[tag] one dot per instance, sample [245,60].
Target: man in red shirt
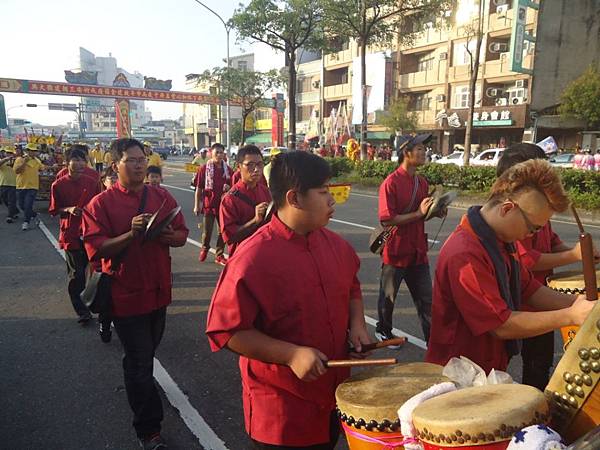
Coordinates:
[480,283]
[68,195]
[140,273]
[539,253]
[243,209]
[285,326]
[403,204]
[87,170]
[213,179]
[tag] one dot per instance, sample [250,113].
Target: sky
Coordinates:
[165,39]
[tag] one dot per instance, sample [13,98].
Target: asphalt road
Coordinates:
[61,388]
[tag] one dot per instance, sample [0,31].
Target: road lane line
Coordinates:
[178,188]
[194,421]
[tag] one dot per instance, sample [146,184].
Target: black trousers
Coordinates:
[76,264]
[8,195]
[538,357]
[334,434]
[140,336]
[99,167]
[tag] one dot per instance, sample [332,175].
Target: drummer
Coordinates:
[540,253]
[244,207]
[480,283]
[285,303]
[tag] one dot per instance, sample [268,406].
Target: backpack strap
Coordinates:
[243,197]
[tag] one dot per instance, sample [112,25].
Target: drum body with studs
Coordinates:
[479,418]
[368,402]
[569,283]
[573,390]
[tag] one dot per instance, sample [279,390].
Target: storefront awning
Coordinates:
[378,135]
[259,138]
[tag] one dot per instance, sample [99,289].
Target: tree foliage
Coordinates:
[581,98]
[399,118]
[285,26]
[249,88]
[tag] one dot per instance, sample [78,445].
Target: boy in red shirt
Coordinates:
[481,289]
[288,301]
[68,195]
[213,180]
[140,275]
[243,209]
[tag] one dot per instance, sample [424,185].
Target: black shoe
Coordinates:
[9,220]
[105,333]
[84,319]
[153,442]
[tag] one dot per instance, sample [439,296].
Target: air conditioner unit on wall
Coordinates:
[440,98]
[494,92]
[520,83]
[500,2]
[505,56]
[501,102]
[316,84]
[518,100]
[501,10]
[498,47]
[443,56]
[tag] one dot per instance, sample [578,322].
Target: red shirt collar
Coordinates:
[280,229]
[123,189]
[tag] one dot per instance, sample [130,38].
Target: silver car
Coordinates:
[563,160]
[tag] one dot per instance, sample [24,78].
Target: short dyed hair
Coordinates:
[248,150]
[296,170]
[518,153]
[120,146]
[533,174]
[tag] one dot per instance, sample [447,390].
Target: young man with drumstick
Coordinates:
[480,285]
[540,253]
[288,301]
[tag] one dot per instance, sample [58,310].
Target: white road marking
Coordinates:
[194,421]
[366,227]
[178,188]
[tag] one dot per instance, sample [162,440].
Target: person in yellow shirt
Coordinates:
[153,158]
[107,159]
[8,183]
[27,169]
[97,158]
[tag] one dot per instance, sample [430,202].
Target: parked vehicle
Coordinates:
[455,158]
[563,160]
[487,157]
[164,152]
[266,152]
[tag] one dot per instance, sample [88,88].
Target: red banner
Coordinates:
[123,122]
[81,90]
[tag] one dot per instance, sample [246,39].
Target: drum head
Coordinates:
[154,232]
[570,282]
[439,203]
[479,415]
[377,394]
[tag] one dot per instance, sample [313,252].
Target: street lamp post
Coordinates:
[28,105]
[227,106]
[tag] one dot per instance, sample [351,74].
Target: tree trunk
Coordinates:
[363,84]
[472,87]
[244,117]
[292,101]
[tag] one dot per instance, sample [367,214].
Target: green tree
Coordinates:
[398,117]
[285,26]
[581,98]
[237,131]
[377,23]
[249,88]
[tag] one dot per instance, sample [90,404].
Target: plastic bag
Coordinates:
[465,373]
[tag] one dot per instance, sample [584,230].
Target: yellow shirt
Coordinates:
[154,160]
[7,175]
[107,158]
[96,156]
[199,160]
[30,177]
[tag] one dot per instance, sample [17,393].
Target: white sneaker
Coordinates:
[384,337]
[25,226]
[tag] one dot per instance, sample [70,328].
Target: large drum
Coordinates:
[573,390]
[570,283]
[481,418]
[368,402]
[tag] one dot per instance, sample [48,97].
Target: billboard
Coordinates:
[519,35]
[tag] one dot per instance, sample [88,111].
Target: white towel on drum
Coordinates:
[405,412]
[536,437]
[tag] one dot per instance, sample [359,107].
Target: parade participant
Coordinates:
[88,171]
[480,283]
[97,158]
[154,159]
[109,178]
[539,253]
[107,159]
[212,180]
[285,326]
[597,161]
[8,183]
[113,225]
[244,208]
[403,204]
[154,176]
[27,170]
[267,170]
[201,158]
[68,195]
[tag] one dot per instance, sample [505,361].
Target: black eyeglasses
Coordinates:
[531,227]
[252,166]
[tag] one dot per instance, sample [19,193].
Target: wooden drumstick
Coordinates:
[383,344]
[360,362]
[587,259]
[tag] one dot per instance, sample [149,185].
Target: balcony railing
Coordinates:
[307,97]
[338,91]
[427,37]
[424,78]
[502,66]
[335,59]
[426,118]
[504,21]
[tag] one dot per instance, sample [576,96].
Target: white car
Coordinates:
[266,152]
[487,157]
[454,158]
[563,160]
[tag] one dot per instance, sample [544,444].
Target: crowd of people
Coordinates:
[289,298]
[585,160]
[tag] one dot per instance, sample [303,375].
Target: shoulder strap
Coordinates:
[411,205]
[143,200]
[243,197]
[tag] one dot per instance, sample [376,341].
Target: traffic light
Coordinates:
[3,122]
